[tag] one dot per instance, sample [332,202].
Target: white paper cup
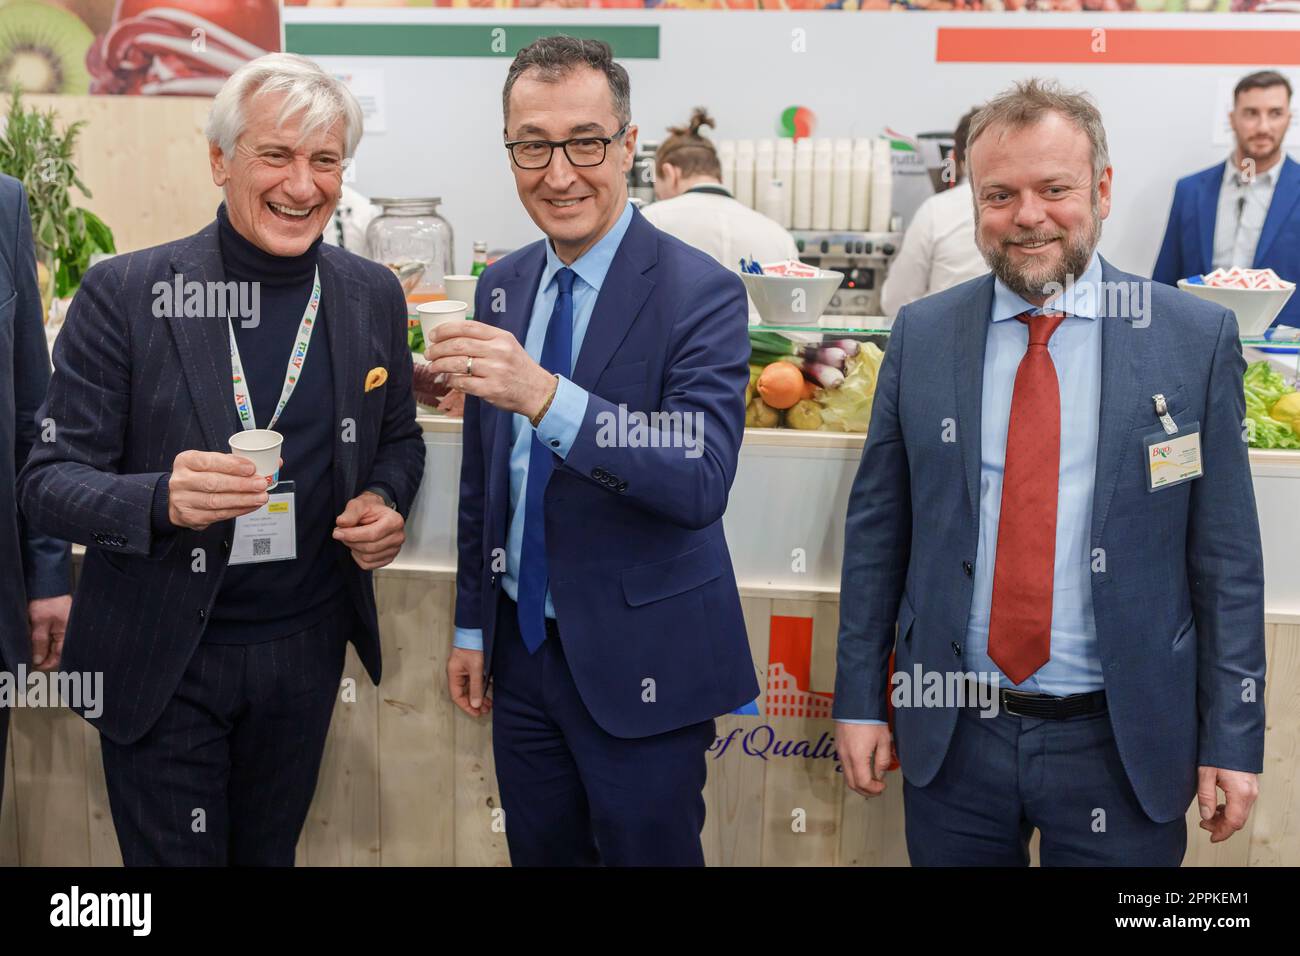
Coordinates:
[461,289]
[433,314]
[262,447]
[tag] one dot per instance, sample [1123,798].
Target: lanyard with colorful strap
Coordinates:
[243,395]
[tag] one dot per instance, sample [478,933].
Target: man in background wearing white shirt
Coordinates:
[939,247]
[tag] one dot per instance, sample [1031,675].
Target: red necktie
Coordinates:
[1020,618]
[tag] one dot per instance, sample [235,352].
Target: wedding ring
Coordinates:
[469,365]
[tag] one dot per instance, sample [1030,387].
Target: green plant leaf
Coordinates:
[35,151]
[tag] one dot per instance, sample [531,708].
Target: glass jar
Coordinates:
[415,242]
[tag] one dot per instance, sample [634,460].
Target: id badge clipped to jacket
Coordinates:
[1173,455]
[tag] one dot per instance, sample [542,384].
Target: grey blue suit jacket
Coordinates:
[131,391]
[32,565]
[1179,598]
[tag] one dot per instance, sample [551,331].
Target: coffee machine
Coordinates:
[641,177]
[864,259]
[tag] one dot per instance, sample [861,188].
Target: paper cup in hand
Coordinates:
[262,447]
[433,314]
[461,289]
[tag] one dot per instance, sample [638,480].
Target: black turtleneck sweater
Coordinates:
[262,602]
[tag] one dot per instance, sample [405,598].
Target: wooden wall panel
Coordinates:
[802,797]
[9,855]
[408,780]
[480,838]
[733,796]
[416,752]
[50,780]
[104,850]
[1275,822]
[144,160]
[342,826]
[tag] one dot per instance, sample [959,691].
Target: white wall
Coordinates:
[861,72]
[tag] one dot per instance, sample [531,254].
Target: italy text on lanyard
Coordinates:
[243,395]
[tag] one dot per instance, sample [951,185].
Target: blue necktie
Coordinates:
[557,357]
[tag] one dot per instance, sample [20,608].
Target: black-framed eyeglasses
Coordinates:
[580,150]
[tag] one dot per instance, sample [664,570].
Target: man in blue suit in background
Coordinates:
[1244,212]
[594,583]
[35,585]
[1008,517]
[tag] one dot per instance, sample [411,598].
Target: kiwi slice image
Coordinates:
[43,49]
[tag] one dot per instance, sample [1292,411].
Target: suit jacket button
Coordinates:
[598,474]
[622,486]
[968,568]
[202,614]
[956,649]
[225,545]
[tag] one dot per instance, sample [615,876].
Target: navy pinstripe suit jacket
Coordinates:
[130,391]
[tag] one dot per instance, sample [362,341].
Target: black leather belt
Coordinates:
[1046,707]
[552,628]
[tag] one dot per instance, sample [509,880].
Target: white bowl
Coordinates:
[1255,308]
[791,300]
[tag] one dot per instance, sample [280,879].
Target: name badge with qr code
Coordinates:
[269,533]
[1173,459]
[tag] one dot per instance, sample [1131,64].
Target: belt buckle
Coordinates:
[1010,699]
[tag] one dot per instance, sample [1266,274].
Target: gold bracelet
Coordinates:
[537,419]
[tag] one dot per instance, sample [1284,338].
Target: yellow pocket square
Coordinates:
[376,377]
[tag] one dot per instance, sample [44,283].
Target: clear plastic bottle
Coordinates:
[822,183]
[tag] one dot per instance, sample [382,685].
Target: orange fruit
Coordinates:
[781,384]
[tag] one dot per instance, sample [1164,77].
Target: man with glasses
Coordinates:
[594,584]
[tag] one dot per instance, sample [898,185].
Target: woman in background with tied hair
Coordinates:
[694,206]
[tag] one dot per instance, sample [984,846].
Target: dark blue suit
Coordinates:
[1188,247]
[1178,601]
[131,391]
[34,566]
[639,571]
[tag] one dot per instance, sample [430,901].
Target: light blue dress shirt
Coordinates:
[1075,348]
[559,426]
[1239,220]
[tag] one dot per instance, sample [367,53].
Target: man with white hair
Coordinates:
[218,605]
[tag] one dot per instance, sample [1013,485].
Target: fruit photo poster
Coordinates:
[139,47]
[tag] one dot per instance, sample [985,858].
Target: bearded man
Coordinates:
[1055,502]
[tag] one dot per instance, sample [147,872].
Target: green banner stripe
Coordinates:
[456,39]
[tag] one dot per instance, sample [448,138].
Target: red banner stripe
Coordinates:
[1113,45]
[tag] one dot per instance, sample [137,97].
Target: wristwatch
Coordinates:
[376,490]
